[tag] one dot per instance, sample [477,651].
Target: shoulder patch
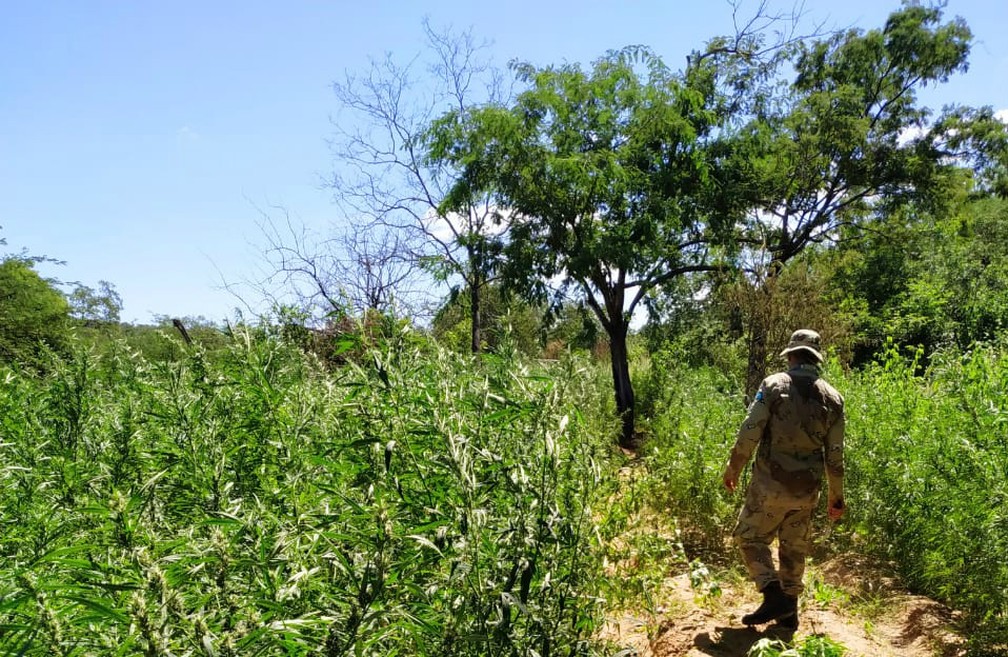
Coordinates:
[759,396]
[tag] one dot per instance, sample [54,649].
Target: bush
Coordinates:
[928,465]
[692,424]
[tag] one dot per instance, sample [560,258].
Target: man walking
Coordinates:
[795,425]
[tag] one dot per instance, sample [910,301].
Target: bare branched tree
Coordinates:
[301,266]
[377,272]
[346,272]
[383,179]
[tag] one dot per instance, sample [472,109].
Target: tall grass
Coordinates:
[694,413]
[929,477]
[249,502]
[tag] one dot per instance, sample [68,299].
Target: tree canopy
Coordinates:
[850,133]
[626,176]
[95,307]
[33,314]
[608,182]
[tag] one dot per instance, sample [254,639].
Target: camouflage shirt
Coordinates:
[795,425]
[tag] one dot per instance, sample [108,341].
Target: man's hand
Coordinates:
[836,510]
[730,480]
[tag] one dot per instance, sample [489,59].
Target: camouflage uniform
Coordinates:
[795,425]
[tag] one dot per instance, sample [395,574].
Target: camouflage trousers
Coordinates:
[759,523]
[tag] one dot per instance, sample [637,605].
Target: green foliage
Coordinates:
[814,645]
[680,312]
[703,583]
[160,342]
[824,594]
[857,98]
[250,503]
[978,138]
[928,472]
[721,330]
[965,274]
[690,433]
[33,315]
[928,280]
[572,326]
[95,307]
[830,149]
[502,315]
[507,318]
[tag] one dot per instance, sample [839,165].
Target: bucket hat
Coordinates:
[806,339]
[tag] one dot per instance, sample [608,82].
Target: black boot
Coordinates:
[775,605]
[789,622]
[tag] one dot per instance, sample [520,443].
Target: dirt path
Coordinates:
[891,624]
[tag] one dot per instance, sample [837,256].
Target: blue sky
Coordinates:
[138,138]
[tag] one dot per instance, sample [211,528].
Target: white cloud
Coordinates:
[909,134]
[441,227]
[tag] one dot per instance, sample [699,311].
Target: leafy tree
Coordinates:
[976,138]
[33,313]
[971,257]
[573,326]
[94,307]
[932,279]
[609,183]
[509,319]
[841,145]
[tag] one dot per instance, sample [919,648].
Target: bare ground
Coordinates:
[854,603]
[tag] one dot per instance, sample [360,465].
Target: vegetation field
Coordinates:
[250,502]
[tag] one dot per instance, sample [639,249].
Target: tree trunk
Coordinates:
[761,323]
[476,320]
[756,366]
[622,386]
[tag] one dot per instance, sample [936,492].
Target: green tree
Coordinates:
[931,279]
[971,258]
[609,182]
[505,317]
[839,149]
[33,313]
[94,307]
